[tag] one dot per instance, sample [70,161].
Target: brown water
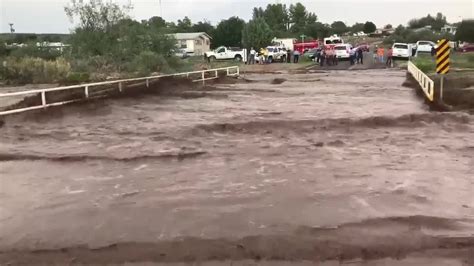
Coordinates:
[351,158]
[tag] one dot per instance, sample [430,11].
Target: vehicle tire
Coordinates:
[270,59]
[238,58]
[212,59]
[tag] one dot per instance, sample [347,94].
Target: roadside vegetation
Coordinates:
[458,62]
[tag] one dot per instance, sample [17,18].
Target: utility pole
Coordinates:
[12,30]
[161,9]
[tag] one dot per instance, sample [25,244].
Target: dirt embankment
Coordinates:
[458,93]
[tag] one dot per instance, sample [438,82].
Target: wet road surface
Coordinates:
[349,158]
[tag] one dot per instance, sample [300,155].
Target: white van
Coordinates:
[342,50]
[402,50]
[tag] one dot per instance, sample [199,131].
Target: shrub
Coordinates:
[76,78]
[35,70]
[149,62]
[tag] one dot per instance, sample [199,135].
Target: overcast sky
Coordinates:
[47,16]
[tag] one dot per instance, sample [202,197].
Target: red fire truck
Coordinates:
[302,47]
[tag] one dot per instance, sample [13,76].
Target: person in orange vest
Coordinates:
[381,53]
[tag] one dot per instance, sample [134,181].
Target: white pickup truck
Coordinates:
[226,53]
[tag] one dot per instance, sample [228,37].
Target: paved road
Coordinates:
[340,165]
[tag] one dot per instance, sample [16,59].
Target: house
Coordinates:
[425,28]
[449,29]
[195,43]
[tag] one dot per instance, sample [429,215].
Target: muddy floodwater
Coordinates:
[340,165]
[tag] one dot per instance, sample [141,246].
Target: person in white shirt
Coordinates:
[252,56]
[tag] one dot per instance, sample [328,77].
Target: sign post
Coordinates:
[442,62]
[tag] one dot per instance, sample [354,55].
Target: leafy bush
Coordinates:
[35,70]
[76,78]
[31,50]
[148,62]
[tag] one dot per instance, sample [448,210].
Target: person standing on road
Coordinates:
[360,56]
[390,58]
[265,55]
[335,61]
[261,57]
[253,53]
[381,53]
[296,56]
[322,56]
[288,56]
[352,54]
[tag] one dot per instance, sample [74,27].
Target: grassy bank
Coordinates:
[459,62]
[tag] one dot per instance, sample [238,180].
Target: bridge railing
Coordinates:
[427,84]
[203,75]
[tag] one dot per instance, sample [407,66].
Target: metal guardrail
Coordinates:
[427,84]
[230,71]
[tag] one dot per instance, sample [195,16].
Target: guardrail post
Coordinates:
[43,98]
[187,75]
[238,71]
[86,91]
[147,83]
[203,78]
[217,74]
[120,86]
[227,71]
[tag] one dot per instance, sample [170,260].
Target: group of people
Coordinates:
[328,56]
[356,56]
[379,56]
[263,58]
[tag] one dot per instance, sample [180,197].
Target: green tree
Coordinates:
[156,22]
[184,25]
[317,30]
[338,27]
[369,27]
[276,16]
[357,27]
[439,22]
[258,12]
[256,34]
[93,34]
[298,17]
[205,26]
[229,32]
[388,26]
[107,38]
[465,31]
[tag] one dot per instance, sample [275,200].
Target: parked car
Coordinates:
[312,53]
[424,46]
[225,53]
[467,47]
[181,53]
[364,46]
[401,50]
[342,50]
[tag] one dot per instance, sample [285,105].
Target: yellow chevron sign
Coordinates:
[442,57]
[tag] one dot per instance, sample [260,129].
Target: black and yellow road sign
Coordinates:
[442,57]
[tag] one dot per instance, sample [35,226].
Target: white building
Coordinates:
[285,42]
[195,43]
[449,29]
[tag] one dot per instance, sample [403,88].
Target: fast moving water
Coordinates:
[319,150]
